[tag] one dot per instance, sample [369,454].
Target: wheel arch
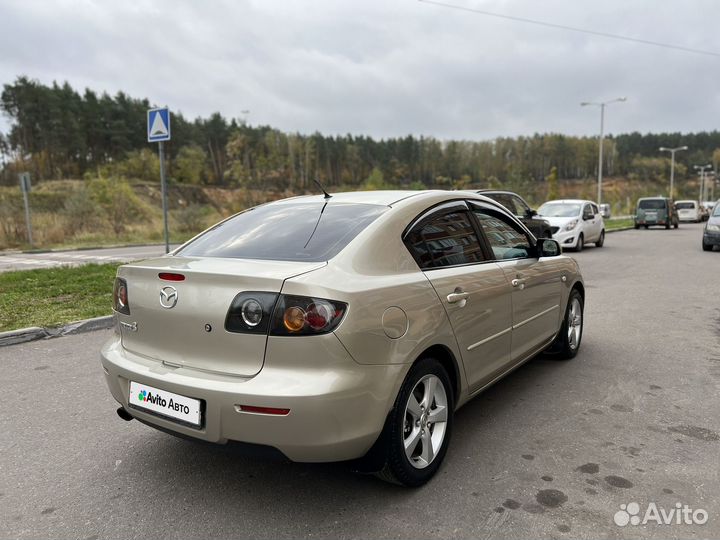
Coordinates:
[580,288]
[447,359]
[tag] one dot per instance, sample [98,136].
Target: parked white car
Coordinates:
[574,223]
[689,211]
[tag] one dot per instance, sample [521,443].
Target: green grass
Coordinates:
[55,296]
[611,224]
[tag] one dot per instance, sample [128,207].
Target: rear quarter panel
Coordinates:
[373,274]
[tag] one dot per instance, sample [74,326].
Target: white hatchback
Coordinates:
[574,222]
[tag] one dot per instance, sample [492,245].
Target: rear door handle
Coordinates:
[518,283]
[455,297]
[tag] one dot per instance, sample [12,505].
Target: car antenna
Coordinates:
[327,195]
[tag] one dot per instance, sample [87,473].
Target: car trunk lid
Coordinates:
[189,330]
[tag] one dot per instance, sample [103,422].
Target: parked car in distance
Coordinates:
[711,233]
[605,211]
[652,211]
[521,210]
[344,327]
[574,223]
[689,211]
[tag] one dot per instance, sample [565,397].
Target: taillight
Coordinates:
[250,313]
[121,303]
[283,315]
[306,316]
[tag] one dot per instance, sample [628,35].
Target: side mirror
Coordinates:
[587,217]
[530,213]
[547,247]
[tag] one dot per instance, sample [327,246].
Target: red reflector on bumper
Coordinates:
[170,276]
[262,410]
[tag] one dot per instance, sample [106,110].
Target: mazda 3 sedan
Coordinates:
[343,327]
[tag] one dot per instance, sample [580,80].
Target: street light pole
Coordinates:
[672,166]
[602,105]
[707,185]
[702,169]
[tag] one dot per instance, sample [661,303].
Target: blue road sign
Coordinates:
[158,125]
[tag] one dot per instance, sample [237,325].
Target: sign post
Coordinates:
[158,130]
[25,188]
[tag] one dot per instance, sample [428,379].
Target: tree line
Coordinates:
[57,132]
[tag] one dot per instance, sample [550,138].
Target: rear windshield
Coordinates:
[652,204]
[685,206]
[303,231]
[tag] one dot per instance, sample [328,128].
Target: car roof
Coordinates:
[380,197]
[486,191]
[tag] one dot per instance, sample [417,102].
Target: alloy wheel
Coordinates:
[426,416]
[574,323]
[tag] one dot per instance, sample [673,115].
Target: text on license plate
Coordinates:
[185,409]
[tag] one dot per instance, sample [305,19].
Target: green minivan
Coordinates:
[656,211]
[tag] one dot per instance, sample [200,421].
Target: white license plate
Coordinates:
[651,215]
[165,403]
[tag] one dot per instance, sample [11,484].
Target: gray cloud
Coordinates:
[380,68]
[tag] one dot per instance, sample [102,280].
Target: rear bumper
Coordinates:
[650,222]
[337,407]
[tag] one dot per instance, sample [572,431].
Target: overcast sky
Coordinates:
[382,68]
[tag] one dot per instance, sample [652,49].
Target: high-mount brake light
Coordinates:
[171,276]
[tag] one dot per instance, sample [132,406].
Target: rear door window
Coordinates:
[444,239]
[303,231]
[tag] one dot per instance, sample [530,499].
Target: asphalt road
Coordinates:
[552,451]
[51,259]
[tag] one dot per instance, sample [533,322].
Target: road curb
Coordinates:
[23,335]
[621,229]
[11,252]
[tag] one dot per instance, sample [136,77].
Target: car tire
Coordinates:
[647,226]
[707,247]
[667,226]
[567,342]
[426,383]
[580,243]
[601,241]
[637,226]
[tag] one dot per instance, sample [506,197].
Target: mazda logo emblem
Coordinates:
[168,297]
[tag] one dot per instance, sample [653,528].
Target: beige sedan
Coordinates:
[345,327]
